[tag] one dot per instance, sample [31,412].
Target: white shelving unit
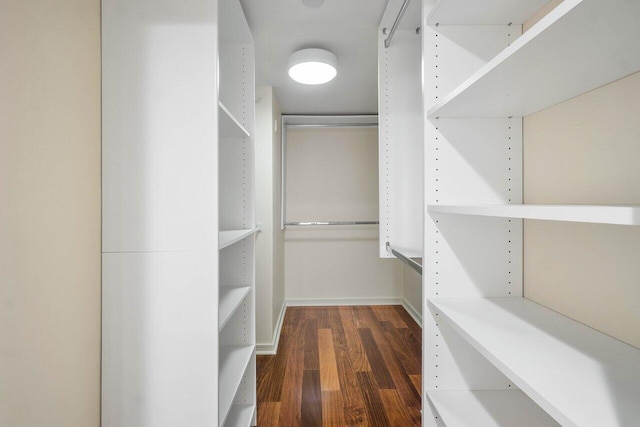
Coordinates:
[236,226]
[492,357]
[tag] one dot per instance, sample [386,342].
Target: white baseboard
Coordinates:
[272,347]
[303,302]
[412,312]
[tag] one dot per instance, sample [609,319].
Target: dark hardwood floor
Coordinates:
[343,366]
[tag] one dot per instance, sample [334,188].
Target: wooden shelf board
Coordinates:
[621,215]
[577,47]
[240,416]
[486,12]
[488,408]
[229,237]
[234,360]
[230,300]
[230,127]
[577,374]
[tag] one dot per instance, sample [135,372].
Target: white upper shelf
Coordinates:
[579,376]
[486,12]
[621,215]
[229,237]
[230,126]
[578,46]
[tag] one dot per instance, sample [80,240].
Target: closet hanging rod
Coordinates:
[333,223]
[411,263]
[335,125]
[394,27]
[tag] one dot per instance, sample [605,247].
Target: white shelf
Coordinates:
[486,12]
[229,237]
[579,46]
[230,300]
[230,127]
[488,408]
[234,360]
[240,416]
[579,376]
[621,215]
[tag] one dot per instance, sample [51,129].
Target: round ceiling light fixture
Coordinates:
[313,3]
[312,66]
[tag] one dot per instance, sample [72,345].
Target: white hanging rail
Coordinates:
[333,223]
[394,27]
[411,263]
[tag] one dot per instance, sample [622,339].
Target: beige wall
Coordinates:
[332,175]
[270,242]
[586,151]
[50,213]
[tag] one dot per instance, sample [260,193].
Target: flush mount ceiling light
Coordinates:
[312,66]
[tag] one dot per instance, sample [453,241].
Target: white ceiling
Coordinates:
[348,28]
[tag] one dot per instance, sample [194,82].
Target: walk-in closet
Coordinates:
[320,213]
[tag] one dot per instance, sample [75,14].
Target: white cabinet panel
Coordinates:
[160,338]
[159,127]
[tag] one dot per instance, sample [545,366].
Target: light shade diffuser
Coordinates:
[312,66]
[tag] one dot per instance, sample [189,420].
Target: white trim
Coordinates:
[272,347]
[304,302]
[415,314]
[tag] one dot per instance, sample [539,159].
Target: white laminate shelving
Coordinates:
[621,215]
[236,220]
[230,300]
[229,237]
[230,127]
[488,408]
[234,360]
[487,12]
[579,46]
[580,376]
[240,415]
[474,167]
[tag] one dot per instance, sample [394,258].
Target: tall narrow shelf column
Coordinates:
[237,230]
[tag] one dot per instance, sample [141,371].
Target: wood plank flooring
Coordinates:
[343,366]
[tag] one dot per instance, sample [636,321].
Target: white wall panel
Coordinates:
[159,339]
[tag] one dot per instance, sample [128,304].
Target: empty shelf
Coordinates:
[621,215]
[229,125]
[229,237]
[240,416]
[230,300]
[579,46]
[578,375]
[233,361]
[488,408]
[486,12]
